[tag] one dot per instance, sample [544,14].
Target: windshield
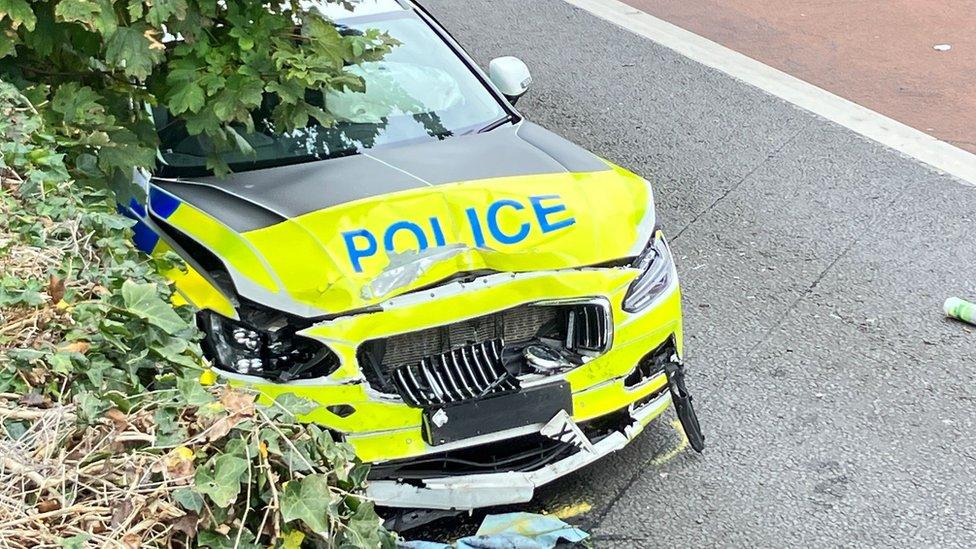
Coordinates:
[420,90]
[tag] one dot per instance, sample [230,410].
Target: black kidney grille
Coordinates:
[465,373]
[588,326]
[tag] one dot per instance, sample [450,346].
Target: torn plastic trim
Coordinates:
[485,490]
[405,268]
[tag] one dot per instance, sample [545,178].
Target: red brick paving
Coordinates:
[878,53]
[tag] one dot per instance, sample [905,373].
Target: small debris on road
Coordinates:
[513,530]
[960,309]
[942,47]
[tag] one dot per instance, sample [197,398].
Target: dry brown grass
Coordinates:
[59,481]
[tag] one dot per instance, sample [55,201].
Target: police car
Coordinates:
[476,305]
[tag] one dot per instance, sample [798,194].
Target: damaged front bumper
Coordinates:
[610,396]
[462,493]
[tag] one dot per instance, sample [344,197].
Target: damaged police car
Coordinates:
[475,304]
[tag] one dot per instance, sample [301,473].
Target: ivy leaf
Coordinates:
[192,392]
[190,500]
[75,542]
[130,49]
[292,539]
[19,12]
[143,301]
[308,500]
[288,406]
[216,540]
[363,527]
[222,482]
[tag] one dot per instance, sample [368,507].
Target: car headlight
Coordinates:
[264,343]
[656,275]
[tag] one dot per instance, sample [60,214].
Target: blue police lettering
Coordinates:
[496,231]
[435,225]
[356,254]
[475,224]
[545,212]
[404,226]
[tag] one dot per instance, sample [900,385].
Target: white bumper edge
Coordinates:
[464,493]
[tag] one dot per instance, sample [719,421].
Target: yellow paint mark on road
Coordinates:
[673,453]
[572,510]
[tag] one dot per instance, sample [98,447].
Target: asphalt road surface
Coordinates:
[837,401]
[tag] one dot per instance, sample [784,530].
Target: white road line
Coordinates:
[880,128]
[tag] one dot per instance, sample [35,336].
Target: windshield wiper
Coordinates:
[497,123]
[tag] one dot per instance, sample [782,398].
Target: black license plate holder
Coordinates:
[499,413]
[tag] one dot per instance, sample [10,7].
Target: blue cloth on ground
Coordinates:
[512,531]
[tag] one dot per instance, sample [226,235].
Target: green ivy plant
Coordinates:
[87,333]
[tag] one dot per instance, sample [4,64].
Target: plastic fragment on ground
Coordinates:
[960,309]
[512,531]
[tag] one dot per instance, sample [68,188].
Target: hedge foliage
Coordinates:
[110,430]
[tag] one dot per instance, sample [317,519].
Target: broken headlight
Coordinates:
[265,344]
[656,275]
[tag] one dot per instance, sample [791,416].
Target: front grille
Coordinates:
[468,372]
[512,326]
[463,360]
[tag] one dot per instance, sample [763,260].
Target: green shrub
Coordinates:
[107,435]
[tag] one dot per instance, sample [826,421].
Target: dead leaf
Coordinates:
[121,512]
[55,288]
[131,541]
[35,400]
[237,402]
[222,426]
[179,463]
[81,347]
[118,419]
[48,505]
[154,44]
[187,524]
[36,376]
